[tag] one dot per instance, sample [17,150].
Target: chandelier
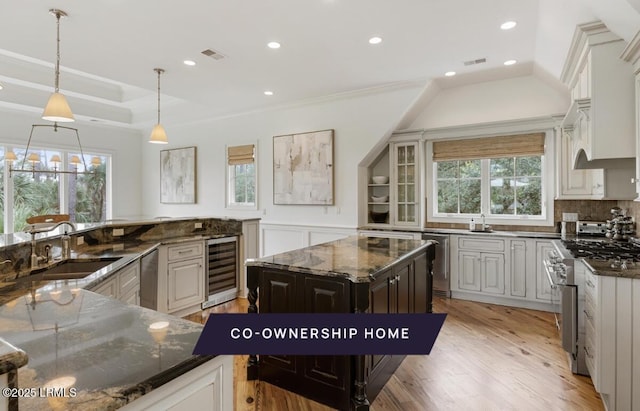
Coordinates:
[56,110]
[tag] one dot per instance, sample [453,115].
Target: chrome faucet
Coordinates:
[66,248]
[484,226]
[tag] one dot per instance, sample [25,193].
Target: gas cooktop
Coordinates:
[603,249]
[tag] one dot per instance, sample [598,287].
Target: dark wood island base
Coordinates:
[352,275]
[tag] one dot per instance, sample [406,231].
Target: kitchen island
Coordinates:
[111,354]
[353,275]
[103,353]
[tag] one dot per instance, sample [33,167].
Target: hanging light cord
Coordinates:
[159,71]
[58,14]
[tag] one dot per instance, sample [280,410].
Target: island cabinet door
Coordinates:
[278,294]
[327,295]
[400,288]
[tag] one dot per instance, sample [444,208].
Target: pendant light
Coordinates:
[158,135]
[57,108]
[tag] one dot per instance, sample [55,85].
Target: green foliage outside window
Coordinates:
[515,186]
[243,184]
[39,194]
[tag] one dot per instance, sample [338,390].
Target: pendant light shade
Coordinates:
[57,109]
[158,135]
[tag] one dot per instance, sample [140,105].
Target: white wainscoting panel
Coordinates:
[280,238]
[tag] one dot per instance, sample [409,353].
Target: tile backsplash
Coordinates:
[590,210]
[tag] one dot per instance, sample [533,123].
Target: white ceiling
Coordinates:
[110,47]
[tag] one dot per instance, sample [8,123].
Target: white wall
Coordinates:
[501,100]
[359,121]
[124,146]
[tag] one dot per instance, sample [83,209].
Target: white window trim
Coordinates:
[240,206]
[63,179]
[546,219]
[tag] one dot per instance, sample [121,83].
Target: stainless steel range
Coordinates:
[569,290]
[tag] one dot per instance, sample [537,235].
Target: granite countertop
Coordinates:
[106,346]
[11,358]
[103,343]
[604,268]
[357,258]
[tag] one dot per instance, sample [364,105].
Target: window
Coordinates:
[82,196]
[500,177]
[242,178]
[515,186]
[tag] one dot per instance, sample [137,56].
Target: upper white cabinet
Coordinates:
[601,84]
[394,186]
[595,160]
[570,183]
[406,179]
[631,54]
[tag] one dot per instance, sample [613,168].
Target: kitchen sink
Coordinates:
[71,269]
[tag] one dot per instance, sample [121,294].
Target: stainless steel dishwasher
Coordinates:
[149,280]
[441,276]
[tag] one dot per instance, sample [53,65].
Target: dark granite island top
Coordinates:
[356,258]
[108,349]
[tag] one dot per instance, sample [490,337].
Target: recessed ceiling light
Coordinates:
[375,40]
[508,25]
[450,73]
[189,63]
[268,93]
[273,45]
[510,62]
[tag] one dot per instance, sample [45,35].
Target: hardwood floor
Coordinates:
[486,357]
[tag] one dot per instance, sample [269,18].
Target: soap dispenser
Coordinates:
[472,225]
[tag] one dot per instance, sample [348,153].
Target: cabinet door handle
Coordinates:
[185,251]
[391,281]
[590,284]
[588,315]
[398,278]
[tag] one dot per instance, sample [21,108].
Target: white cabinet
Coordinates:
[612,338]
[478,267]
[602,112]
[185,284]
[206,387]
[575,184]
[396,203]
[518,268]
[123,285]
[543,288]
[181,278]
[631,54]
[500,270]
[406,184]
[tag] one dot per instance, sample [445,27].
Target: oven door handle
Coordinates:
[570,319]
[547,268]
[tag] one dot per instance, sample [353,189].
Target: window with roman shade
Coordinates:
[489,147]
[241,154]
[500,176]
[242,177]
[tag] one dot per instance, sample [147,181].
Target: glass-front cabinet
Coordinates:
[393,186]
[406,183]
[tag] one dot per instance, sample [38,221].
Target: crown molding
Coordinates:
[631,53]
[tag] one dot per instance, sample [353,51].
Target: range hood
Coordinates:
[582,162]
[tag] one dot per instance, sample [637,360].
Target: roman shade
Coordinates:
[489,147]
[240,154]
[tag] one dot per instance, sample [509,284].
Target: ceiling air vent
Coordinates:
[213,54]
[477,61]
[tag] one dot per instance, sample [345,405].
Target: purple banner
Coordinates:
[319,334]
